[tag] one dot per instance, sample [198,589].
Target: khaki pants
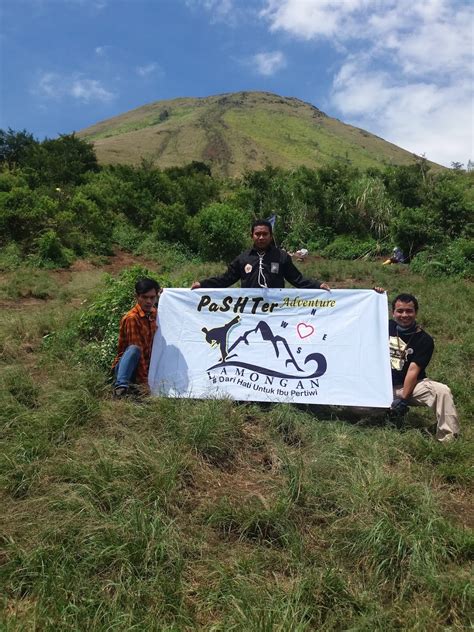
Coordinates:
[438,397]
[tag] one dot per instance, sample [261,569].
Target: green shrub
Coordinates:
[23,214]
[219,231]
[127,236]
[347,247]
[170,221]
[10,256]
[92,226]
[168,256]
[51,252]
[9,180]
[319,239]
[453,259]
[414,228]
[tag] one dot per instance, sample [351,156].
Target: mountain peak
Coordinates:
[235,132]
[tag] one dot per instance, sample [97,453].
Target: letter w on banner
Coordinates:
[275,345]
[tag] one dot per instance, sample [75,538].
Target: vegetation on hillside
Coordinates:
[160,514]
[238,131]
[57,203]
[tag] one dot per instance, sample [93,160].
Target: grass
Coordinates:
[168,514]
[236,132]
[28,283]
[297,141]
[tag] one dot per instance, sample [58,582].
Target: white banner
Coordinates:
[278,345]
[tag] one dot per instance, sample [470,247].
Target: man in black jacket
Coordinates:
[264,265]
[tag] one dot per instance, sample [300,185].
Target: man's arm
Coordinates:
[294,276]
[400,404]
[411,379]
[230,276]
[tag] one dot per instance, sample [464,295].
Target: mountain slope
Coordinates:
[237,131]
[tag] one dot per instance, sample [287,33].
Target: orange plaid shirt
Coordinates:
[137,328]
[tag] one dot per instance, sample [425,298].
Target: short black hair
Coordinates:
[262,222]
[144,285]
[406,298]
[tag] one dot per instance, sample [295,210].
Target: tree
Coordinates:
[15,147]
[64,160]
[219,231]
[407,184]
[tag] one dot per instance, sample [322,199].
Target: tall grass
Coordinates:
[160,514]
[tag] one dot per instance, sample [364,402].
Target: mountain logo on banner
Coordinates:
[272,351]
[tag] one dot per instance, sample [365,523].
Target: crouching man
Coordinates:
[136,333]
[411,349]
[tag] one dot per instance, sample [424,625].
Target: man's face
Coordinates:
[404,314]
[262,237]
[147,300]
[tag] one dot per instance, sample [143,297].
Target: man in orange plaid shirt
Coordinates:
[137,330]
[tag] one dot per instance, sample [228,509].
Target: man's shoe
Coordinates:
[120,391]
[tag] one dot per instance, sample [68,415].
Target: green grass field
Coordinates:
[159,514]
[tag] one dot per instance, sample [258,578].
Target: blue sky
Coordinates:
[402,69]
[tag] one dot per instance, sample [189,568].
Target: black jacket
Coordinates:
[276,267]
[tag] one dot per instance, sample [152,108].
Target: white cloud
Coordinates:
[424,35]
[48,85]
[268,64]
[52,85]
[220,10]
[88,90]
[412,84]
[148,69]
[310,19]
[420,116]
[101,50]
[442,46]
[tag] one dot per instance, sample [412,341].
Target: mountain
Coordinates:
[236,132]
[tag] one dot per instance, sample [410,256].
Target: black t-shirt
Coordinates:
[414,345]
[267,270]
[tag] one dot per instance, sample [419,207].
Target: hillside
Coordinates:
[237,131]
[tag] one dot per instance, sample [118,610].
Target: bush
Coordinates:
[127,236]
[319,239]
[453,259]
[10,256]
[92,226]
[51,253]
[169,256]
[346,247]
[23,214]
[415,228]
[170,221]
[219,231]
